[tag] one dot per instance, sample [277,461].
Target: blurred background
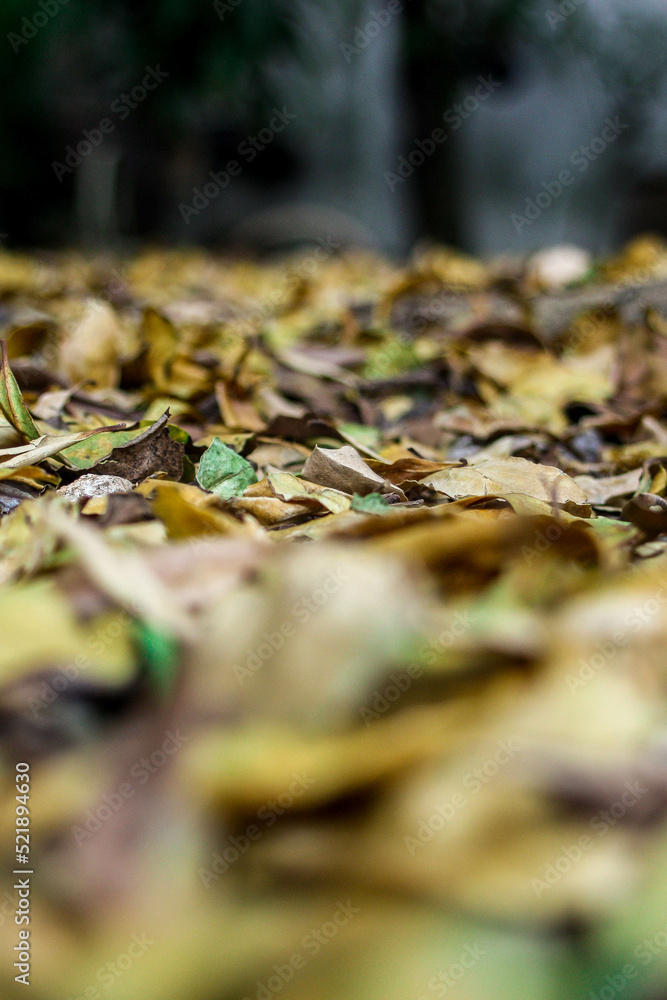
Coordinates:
[522,90]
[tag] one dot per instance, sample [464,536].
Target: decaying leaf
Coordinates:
[287,487]
[12,406]
[648,512]
[152,452]
[606,489]
[508,475]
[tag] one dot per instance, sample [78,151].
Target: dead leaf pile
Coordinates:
[333,626]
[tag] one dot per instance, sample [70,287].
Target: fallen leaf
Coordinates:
[288,487]
[224,472]
[343,469]
[648,512]
[12,406]
[43,447]
[154,451]
[372,503]
[607,489]
[508,475]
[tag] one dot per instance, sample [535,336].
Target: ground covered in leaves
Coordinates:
[333,604]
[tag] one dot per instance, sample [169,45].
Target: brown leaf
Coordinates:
[150,454]
[508,475]
[648,512]
[343,469]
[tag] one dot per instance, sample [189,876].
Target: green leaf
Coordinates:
[86,454]
[372,503]
[223,472]
[11,400]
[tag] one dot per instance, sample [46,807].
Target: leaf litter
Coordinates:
[333,625]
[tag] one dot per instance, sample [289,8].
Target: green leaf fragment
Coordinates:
[372,503]
[223,472]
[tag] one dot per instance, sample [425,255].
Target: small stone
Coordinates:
[87,487]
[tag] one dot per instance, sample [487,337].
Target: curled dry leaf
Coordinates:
[343,469]
[647,512]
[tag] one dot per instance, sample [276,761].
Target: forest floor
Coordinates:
[333,610]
